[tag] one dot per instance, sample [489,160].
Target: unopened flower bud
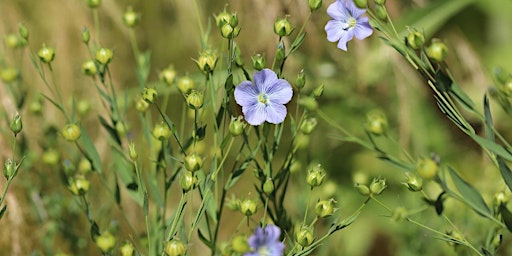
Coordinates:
[314,4]
[127,249]
[222,18]
[381,12]
[16,124]
[415,39]
[233,20]
[233,203]
[14,41]
[376,122]
[188,181]
[23,31]
[240,245]
[239,62]
[86,35]
[51,157]
[89,68]
[79,185]
[131,18]
[132,151]
[497,240]
[316,176]
[9,74]
[427,168]
[175,248]
[437,50]
[309,125]
[268,186]
[161,131]
[283,27]
[227,31]
[308,103]
[377,186]
[414,183]
[363,189]
[361,3]
[83,107]
[304,236]
[149,94]
[104,56]
[501,198]
[93,3]
[105,242]
[302,141]
[168,75]
[195,99]
[280,52]
[141,105]
[325,208]
[301,79]
[248,207]
[71,132]
[258,62]
[193,162]
[84,166]
[46,54]
[185,84]
[380,2]
[207,61]
[237,126]
[399,214]
[319,90]
[9,169]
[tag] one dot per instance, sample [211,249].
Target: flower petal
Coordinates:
[353,9]
[280,92]
[246,94]
[272,232]
[338,11]
[275,113]
[363,29]
[334,30]
[255,114]
[264,79]
[342,44]
[257,239]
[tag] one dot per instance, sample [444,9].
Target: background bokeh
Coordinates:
[369,76]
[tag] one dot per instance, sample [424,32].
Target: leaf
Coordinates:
[111,131]
[95,230]
[90,150]
[145,205]
[462,97]
[505,171]
[205,240]
[489,134]
[117,192]
[297,43]
[492,146]
[2,211]
[470,195]
[439,203]
[345,222]
[507,216]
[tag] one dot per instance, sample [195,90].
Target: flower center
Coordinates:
[263,251]
[351,22]
[263,98]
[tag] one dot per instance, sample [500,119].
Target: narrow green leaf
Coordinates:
[470,195]
[117,192]
[145,205]
[505,171]
[111,130]
[2,211]
[344,223]
[153,188]
[507,216]
[297,43]
[90,150]
[492,146]
[95,230]
[205,240]
[462,97]
[489,133]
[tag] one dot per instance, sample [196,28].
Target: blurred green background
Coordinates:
[369,76]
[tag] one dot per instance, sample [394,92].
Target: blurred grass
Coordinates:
[369,76]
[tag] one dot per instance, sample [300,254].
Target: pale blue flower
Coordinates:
[265,242]
[347,22]
[264,100]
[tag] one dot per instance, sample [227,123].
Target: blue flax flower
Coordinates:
[264,100]
[347,22]
[265,242]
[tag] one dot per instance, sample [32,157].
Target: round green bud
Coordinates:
[233,20]
[301,79]
[149,94]
[399,214]
[437,50]
[93,3]
[168,75]
[308,103]
[381,12]
[497,240]
[316,176]
[229,32]
[89,68]
[207,61]
[222,18]
[237,126]
[304,236]
[175,248]
[83,107]
[361,3]
[309,125]
[193,162]
[71,132]
[281,51]
[501,198]
[9,169]
[380,2]
[36,106]
[377,186]
[283,27]
[427,168]
[131,18]
[302,141]
[46,54]
[188,181]
[105,242]
[240,245]
[13,41]
[141,105]
[248,207]
[376,123]
[16,124]
[86,35]
[132,151]
[413,183]
[127,249]
[79,185]
[314,4]
[415,39]
[325,208]
[195,99]
[84,166]
[9,74]
[258,62]
[185,84]
[268,186]
[23,31]
[104,56]
[161,131]
[51,157]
